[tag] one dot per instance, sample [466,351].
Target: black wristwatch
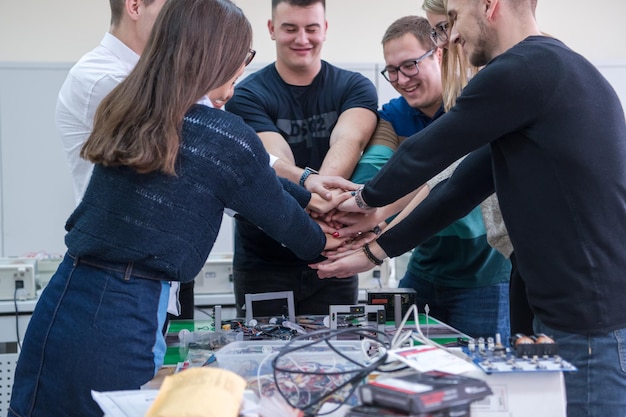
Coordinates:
[307,172]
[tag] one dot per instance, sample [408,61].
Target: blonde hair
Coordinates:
[456,69]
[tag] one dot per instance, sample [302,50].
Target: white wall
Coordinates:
[61,31]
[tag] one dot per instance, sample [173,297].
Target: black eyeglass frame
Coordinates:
[415,62]
[250,56]
[440,32]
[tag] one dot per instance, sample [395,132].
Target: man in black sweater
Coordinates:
[556,146]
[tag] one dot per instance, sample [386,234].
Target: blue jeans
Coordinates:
[598,388]
[92,329]
[477,312]
[311,295]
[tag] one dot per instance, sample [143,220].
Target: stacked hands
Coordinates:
[348,224]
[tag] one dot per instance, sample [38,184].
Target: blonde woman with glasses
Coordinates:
[455,67]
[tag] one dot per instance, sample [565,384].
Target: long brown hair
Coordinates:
[195,46]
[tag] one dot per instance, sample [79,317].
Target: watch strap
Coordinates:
[305,174]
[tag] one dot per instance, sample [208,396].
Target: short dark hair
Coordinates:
[415,25]
[298,3]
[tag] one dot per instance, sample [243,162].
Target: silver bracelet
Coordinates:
[358,199]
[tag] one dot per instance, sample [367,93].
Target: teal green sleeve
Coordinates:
[371,162]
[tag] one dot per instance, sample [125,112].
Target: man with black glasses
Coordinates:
[456,272]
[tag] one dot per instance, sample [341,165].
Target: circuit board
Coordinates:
[526,357]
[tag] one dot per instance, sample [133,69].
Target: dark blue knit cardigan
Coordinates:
[169,223]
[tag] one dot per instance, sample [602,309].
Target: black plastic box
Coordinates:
[386,297]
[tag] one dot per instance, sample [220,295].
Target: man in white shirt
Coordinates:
[90,80]
[96,74]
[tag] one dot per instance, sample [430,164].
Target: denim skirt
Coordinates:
[93,328]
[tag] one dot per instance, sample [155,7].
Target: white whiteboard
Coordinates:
[37,195]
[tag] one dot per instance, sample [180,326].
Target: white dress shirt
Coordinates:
[88,82]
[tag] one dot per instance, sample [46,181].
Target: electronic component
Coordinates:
[46,267]
[308,385]
[526,354]
[536,345]
[426,392]
[267,296]
[18,278]
[216,315]
[388,298]
[374,411]
[216,276]
[363,315]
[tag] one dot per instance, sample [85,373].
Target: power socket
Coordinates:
[17,278]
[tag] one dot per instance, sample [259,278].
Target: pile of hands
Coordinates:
[346,226]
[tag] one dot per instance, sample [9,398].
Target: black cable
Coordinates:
[327,337]
[17,321]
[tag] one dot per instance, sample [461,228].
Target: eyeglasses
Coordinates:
[250,57]
[440,32]
[408,68]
